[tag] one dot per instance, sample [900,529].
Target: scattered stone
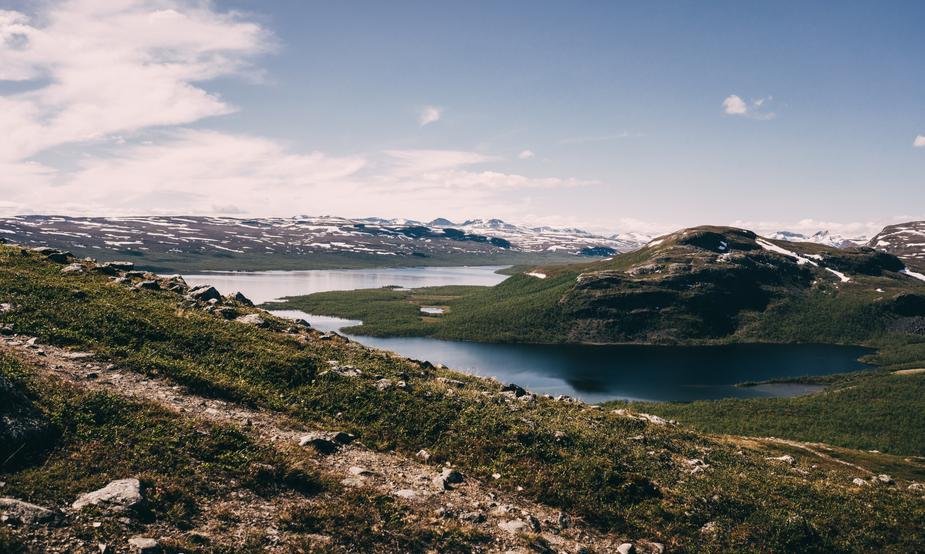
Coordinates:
[452,476]
[117,496]
[517,390]
[513,526]
[240,299]
[422,455]
[384,384]
[884,479]
[25,512]
[473,517]
[563,521]
[135,274]
[73,269]
[227,312]
[916,487]
[326,442]
[626,548]
[6,307]
[251,319]
[860,482]
[653,419]
[148,285]
[440,484]
[143,545]
[359,471]
[452,382]
[407,494]
[533,523]
[787,459]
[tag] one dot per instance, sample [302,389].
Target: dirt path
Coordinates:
[515,524]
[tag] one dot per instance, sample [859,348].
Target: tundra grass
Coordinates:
[618,473]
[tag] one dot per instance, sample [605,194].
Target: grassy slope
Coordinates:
[184,466]
[594,468]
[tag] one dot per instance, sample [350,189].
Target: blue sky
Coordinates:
[607,115]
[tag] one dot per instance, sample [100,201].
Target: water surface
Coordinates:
[263,286]
[592,373]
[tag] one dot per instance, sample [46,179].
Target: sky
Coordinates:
[611,116]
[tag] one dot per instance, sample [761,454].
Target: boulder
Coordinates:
[326,442]
[204,293]
[884,479]
[74,268]
[26,513]
[452,476]
[252,319]
[517,390]
[117,496]
[422,455]
[148,285]
[626,548]
[240,299]
[143,545]
[513,526]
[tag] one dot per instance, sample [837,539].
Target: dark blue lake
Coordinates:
[592,373]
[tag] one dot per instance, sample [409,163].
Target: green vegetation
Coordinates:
[866,411]
[617,472]
[688,290]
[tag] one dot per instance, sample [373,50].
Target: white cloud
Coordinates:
[429,114]
[526,154]
[109,88]
[735,105]
[115,66]
[919,141]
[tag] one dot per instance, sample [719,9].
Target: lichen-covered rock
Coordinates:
[117,496]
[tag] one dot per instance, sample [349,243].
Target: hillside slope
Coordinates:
[905,241]
[200,397]
[699,285]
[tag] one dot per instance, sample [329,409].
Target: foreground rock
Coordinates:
[117,496]
[17,511]
[143,545]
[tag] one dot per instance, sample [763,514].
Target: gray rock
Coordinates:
[533,523]
[384,384]
[626,548]
[74,268]
[452,476]
[6,307]
[517,390]
[884,479]
[440,484]
[148,285]
[860,482]
[204,293]
[143,545]
[422,455]
[117,496]
[326,442]
[513,526]
[787,459]
[472,517]
[251,319]
[26,513]
[240,299]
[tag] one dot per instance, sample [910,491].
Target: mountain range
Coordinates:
[174,243]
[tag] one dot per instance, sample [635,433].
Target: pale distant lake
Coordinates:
[592,373]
